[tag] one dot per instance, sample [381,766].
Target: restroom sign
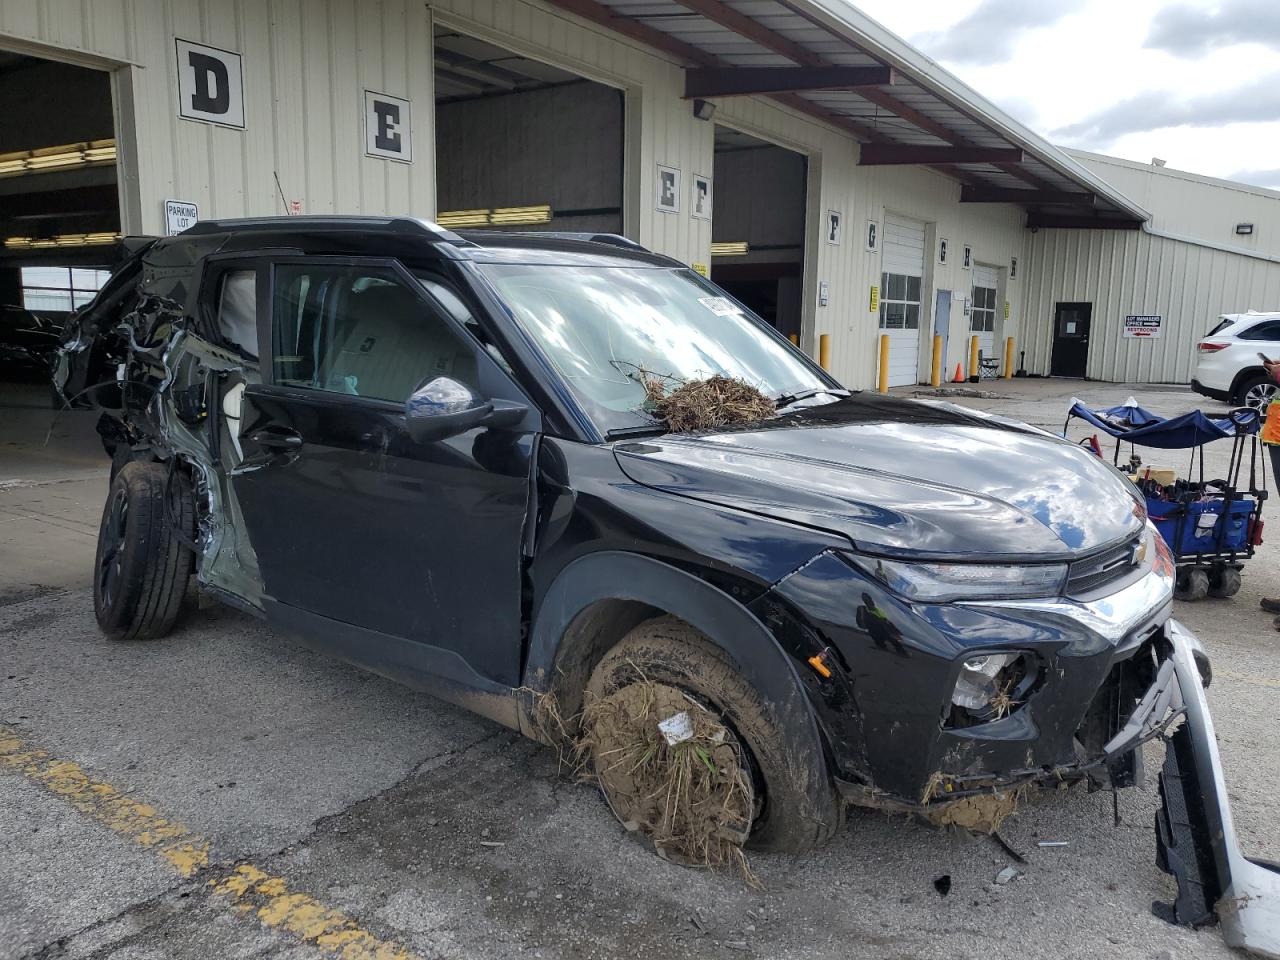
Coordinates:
[1144,327]
[210,85]
[387,131]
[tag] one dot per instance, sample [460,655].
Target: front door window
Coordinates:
[360,331]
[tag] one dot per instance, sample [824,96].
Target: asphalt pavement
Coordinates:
[226,792]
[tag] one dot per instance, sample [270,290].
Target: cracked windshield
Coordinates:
[607,329]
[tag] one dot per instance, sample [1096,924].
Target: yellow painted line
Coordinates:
[121,814]
[249,890]
[1248,678]
[246,889]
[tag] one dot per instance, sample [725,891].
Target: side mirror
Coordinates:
[442,408]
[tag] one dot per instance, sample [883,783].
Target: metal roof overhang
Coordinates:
[826,59]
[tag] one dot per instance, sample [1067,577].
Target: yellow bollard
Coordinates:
[973,358]
[795,340]
[1008,358]
[883,384]
[935,378]
[824,352]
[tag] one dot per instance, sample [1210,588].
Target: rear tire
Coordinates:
[1192,585]
[800,808]
[1256,393]
[142,569]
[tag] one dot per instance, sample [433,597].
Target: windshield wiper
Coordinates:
[640,430]
[787,399]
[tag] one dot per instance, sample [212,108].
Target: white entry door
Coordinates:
[901,271]
[983,318]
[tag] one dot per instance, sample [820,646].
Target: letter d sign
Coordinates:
[210,85]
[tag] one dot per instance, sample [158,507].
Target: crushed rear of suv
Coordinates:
[436,457]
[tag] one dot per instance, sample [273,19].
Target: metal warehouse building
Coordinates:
[822,170]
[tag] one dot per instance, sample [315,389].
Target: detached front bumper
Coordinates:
[1195,837]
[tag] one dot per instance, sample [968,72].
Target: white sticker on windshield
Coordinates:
[720,306]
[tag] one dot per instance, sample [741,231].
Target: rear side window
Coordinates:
[238,311]
[360,331]
[1223,324]
[1268,331]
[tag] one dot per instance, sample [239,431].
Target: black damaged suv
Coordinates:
[431,455]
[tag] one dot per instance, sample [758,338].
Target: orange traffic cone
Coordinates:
[959,375]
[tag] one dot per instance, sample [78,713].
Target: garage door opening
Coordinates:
[521,144]
[59,208]
[901,283]
[758,229]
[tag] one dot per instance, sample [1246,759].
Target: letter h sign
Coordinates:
[210,85]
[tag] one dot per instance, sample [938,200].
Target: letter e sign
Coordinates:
[210,85]
[387,130]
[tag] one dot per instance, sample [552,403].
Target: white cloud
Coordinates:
[1078,73]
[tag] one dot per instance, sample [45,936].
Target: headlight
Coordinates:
[966,581]
[976,686]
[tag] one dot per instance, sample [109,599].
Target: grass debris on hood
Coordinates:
[705,404]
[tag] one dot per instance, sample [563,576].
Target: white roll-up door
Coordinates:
[982,319]
[902,270]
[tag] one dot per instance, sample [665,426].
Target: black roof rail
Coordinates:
[319,223]
[613,239]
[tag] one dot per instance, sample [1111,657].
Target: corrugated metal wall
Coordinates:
[307,61]
[306,64]
[1124,272]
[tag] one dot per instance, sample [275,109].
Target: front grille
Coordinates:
[1102,569]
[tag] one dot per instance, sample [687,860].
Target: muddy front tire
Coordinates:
[800,808]
[142,569]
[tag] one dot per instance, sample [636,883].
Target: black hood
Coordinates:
[902,477]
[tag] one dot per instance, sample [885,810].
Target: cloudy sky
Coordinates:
[1195,82]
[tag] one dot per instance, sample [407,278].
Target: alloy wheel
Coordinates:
[1259,396]
[111,561]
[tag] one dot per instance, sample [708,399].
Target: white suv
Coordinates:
[1230,367]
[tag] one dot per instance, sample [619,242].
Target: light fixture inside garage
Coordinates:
[463,218]
[736,249]
[89,153]
[704,109]
[510,216]
[498,217]
[61,240]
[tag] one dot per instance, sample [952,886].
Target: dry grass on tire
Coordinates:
[693,800]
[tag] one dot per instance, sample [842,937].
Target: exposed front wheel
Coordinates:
[664,667]
[142,569]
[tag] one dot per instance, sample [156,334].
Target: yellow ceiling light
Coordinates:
[91,152]
[736,249]
[61,240]
[511,216]
[498,217]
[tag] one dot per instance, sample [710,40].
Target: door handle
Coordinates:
[276,439]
